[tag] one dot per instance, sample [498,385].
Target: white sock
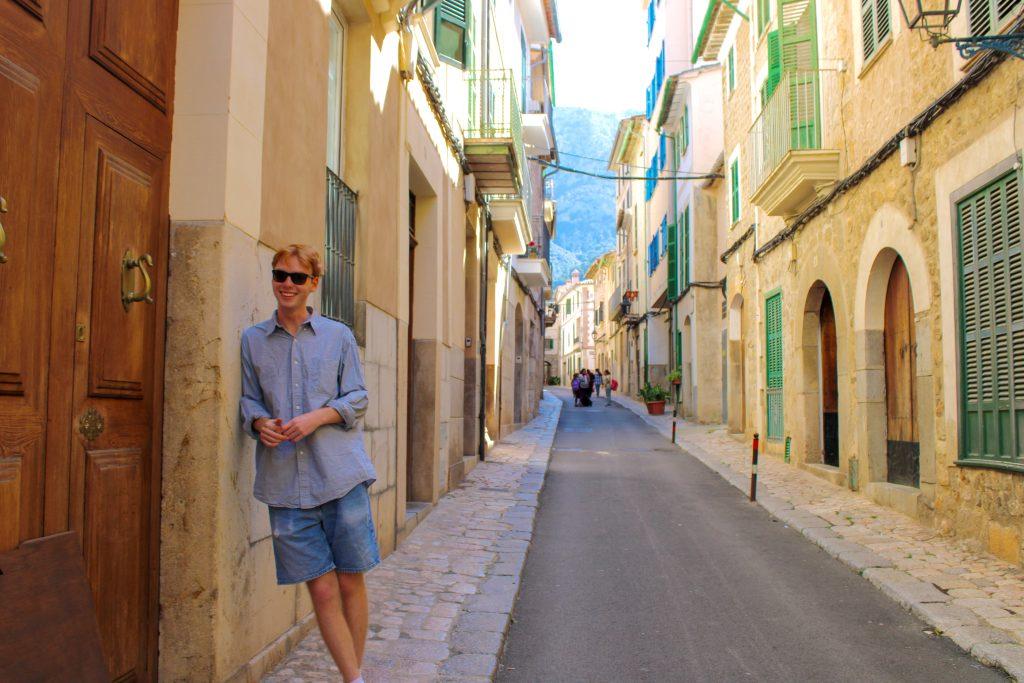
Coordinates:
[358,680]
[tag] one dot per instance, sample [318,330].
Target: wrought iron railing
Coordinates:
[790,120]
[338,295]
[494,113]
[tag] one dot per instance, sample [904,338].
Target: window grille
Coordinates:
[338,296]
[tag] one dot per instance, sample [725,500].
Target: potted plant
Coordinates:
[675,377]
[654,397]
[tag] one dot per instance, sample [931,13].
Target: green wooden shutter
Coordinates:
[992,321]
[989,16]
[773,365]
[686,127]
[734,190]
[673,262]
[451,31]
[551,71]
[685,237]
[732,69]
[679,349]
[798,39]
[875,24]
[774,67]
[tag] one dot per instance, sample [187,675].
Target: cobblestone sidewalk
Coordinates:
[441,603]
[970,597]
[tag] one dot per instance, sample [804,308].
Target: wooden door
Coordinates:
[31,85]
[902,444]
[829,383]
[110,102]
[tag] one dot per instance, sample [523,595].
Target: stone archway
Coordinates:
[687,388]
[736,380]
[820,385]
[889,239]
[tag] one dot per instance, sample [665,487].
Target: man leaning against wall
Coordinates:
[303,397]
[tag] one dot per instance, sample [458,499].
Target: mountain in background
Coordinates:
[586,205]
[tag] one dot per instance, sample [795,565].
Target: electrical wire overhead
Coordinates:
[604,176]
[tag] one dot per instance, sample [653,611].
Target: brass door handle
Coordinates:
[128,294]
[3,235]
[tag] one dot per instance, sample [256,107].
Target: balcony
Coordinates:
[494,148]
[538,134]
[494,137]
[789,168]
[533,268]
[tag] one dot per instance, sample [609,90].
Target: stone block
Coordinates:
[801,519]
[476,642]
[1004,542]
[387,522]
[1009,658]
[944,616]
[371,377]
[483,621]
[969,636]
[864,559]
[903,588]
[470,665]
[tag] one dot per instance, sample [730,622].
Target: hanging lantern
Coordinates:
[933,16]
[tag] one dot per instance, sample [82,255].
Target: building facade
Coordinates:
[873,288]
[574,301]
[602,273]
[359,127]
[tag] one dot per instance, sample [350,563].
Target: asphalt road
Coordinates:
[647,566]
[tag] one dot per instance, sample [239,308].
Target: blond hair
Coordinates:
[306,255]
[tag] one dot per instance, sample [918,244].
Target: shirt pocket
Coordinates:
[323,378]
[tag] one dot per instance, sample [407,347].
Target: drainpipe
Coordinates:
[484,267]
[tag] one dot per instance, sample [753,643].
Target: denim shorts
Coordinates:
[338,535]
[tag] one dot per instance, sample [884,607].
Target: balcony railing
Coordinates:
[338,300]
[495,117]
[790,120]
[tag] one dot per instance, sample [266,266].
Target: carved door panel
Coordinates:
[113,206]
[31,68]
[902,444]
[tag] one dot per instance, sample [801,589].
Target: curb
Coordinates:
[987,644]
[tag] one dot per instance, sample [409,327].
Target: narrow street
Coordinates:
[646,565]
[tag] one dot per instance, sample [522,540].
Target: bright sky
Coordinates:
[601,62]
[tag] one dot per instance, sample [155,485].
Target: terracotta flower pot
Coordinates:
[677,381]
[656,407]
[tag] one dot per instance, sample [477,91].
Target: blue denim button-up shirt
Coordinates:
[285,376]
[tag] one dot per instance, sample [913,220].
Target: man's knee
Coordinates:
[322,590]
[350,584]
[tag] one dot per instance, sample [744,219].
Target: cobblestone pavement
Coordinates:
[970,597]
[441,603]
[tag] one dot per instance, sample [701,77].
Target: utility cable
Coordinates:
[603,176]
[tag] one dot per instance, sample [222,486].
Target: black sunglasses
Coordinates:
[297,278]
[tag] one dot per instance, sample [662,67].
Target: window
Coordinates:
[774,46]
[451,31]
[550,343]
[875,25]
[338,293]
[663,237]
[662,152]
[732,68]
[650,21]
[684,131]
[764,15]
[734,190]
[773,365]
[334,92]
[990,16]
[989,224]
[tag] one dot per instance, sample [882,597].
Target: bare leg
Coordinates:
[326,597]
[357,610]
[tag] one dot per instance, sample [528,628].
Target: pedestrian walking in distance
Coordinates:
[585,388]
[576,389]
[608,385]
[303,398]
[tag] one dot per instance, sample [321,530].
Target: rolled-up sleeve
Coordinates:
[251,405]
[352,398]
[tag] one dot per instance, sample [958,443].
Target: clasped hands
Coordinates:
[273,432]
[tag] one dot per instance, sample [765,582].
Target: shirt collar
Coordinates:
[270,325]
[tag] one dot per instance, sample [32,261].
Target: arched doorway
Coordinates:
[687,389]
[736,380]
[903,449]
[828,373]
[517,402]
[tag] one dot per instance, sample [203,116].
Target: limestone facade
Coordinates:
[857,226]
[269,98]
[574,301]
